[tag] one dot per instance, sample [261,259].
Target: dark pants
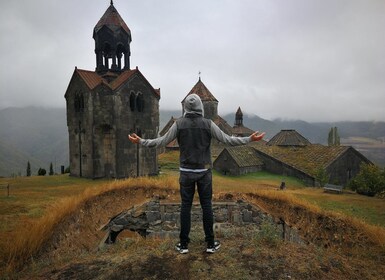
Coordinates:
[187,181]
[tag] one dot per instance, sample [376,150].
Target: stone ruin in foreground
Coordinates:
[159,218]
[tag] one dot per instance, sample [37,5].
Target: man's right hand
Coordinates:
[256,137]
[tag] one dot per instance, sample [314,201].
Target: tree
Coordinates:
[41,172]
[333,137]
[50,169]
[369,181]
[330,137]
[322,176]
[28,169]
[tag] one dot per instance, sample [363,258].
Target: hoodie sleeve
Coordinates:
[218,134]
[161,141]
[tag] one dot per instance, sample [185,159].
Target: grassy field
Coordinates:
[29,197]
[37,204]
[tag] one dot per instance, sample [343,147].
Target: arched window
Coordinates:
[106,54]
[139,102]
[79,102]
[132,101]
[119,53]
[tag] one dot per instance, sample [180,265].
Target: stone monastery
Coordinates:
[105,105]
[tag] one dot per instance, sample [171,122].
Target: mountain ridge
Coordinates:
[39,135]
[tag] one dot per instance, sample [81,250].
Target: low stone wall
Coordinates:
[159,218]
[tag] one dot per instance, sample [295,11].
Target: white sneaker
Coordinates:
[211,248]
[183,249]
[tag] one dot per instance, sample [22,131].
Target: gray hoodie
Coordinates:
[193,105]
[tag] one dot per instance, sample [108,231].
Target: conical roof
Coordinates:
[288,137]
[112,20]
[202,91]
[239,112]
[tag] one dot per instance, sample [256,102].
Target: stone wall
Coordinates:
[158,218]
[98,132]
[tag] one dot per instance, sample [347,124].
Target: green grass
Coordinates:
[265,177]
[368,209]
[30,196]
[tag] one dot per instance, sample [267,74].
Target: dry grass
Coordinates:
[29,240]
[304,214]
[286,205]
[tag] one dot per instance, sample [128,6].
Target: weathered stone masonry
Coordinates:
[105,105]
[158,218]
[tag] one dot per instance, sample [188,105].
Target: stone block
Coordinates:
[167,217]
[247,216]
[236,218]
[153,216]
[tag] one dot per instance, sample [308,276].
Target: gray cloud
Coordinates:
[319,60]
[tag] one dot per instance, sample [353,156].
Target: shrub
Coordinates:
[369,181]
[322,176]
[269,234]
[41,172]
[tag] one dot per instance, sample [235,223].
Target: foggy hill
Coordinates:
[39,135]
[34,134]
[314,132]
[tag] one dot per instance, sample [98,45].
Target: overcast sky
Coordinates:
[314,60]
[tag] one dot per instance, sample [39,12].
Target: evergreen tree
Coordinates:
[333,137]
[28,169]
[330,137]
[337,138]
[50,169]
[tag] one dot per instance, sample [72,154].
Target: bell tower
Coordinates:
[239,117]
[105,105]
[112,42]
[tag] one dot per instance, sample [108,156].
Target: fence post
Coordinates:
[8,190]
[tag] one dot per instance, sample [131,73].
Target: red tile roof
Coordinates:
[124,76]
[93,79]
[112,20]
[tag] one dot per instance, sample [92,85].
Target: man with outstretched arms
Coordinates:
[194,134]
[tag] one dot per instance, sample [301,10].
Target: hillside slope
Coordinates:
[38,135]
